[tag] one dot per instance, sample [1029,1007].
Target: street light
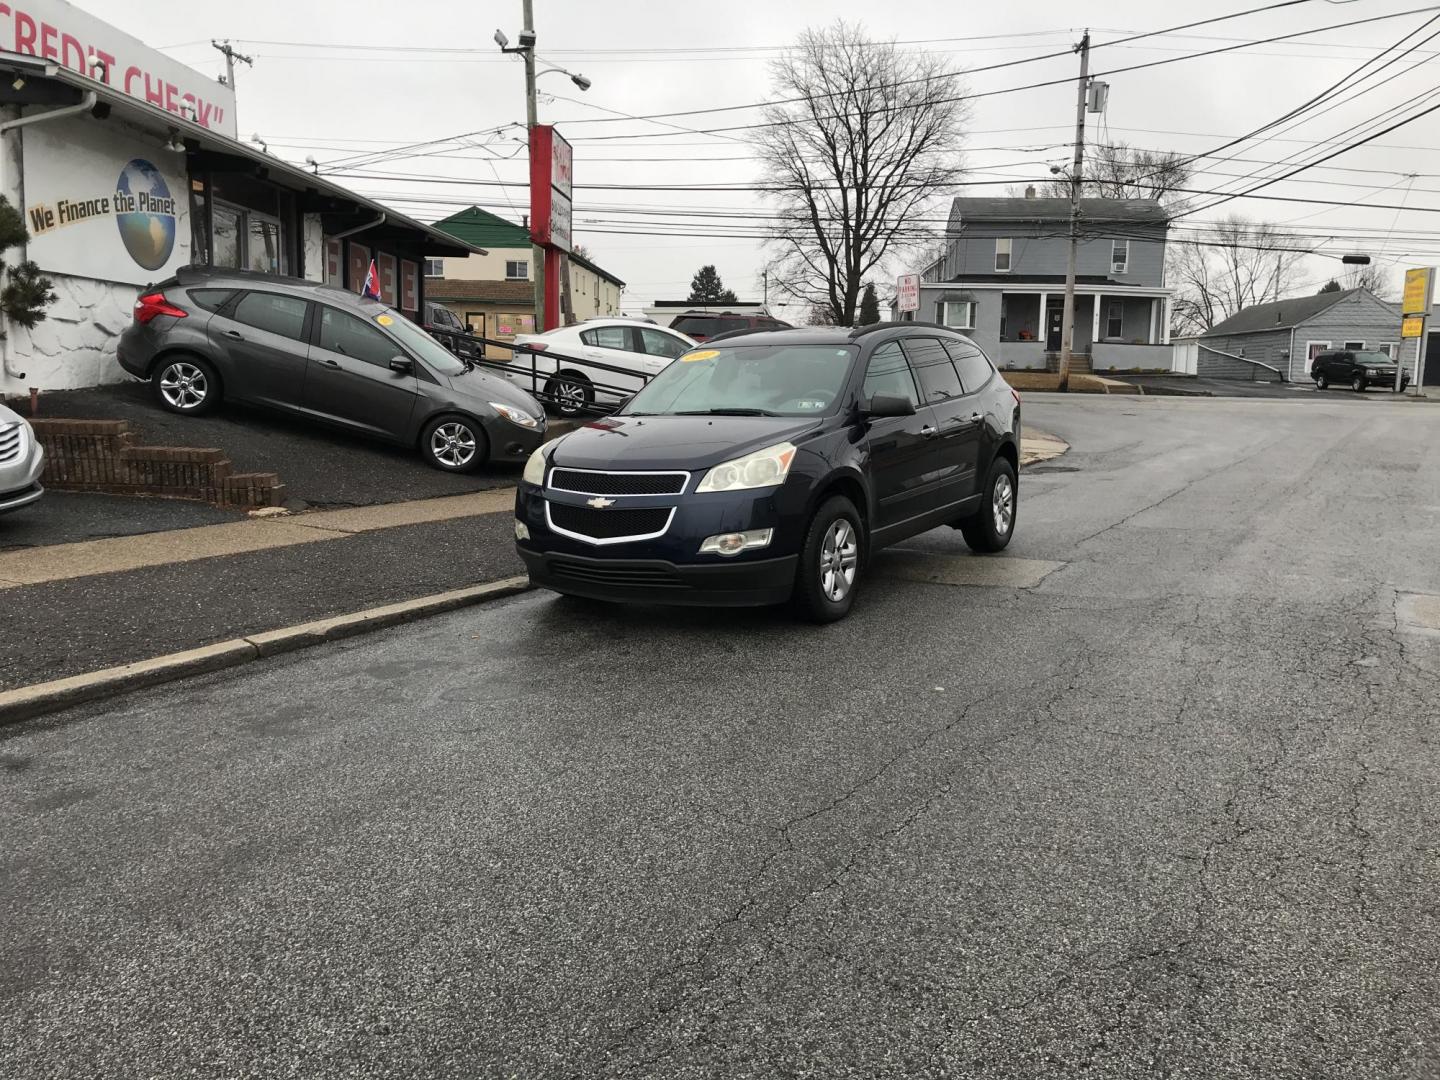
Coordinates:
[525,48]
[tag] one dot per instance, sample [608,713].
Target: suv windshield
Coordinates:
[760,380]
[1373,359]
[434,354]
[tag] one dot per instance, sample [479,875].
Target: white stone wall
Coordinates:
[75,345]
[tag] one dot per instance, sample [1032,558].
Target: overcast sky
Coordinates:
[332,80]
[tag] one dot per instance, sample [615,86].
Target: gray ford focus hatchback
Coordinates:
[309,349]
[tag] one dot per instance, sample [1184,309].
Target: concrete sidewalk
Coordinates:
[117,554]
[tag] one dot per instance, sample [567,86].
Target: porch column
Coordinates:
[1154,309]
[1095,323]
[1042,329]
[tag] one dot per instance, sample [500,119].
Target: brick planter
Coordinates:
[99,455]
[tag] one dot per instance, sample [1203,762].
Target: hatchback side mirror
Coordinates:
[889,405]
[402,365]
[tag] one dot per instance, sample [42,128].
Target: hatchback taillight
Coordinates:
[537,346]
[152,304]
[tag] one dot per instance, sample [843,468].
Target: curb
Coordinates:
[40,698]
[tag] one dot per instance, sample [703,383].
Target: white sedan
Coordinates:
[572,382]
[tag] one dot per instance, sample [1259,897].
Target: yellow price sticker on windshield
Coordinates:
[704,354]
[384,320]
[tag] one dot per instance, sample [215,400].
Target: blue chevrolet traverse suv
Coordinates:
[768,466]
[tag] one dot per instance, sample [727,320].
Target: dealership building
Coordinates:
[125,166]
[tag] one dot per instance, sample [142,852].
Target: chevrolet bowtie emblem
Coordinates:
[600,504]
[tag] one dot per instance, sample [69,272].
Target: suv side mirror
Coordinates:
[402,365]
[889,405]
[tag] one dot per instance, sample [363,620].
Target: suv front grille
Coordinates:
[609,526]
[10,442]
[583,482]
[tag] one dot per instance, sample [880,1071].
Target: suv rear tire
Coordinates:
[186,384]
[1321,382]
[830,562]
[990,528]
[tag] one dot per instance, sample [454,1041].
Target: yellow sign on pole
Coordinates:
[1417,292]
[1412,326]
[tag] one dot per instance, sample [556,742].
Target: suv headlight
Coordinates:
[535,466]
[514,415]
[763,468]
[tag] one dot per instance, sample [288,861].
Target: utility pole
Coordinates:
[765,290]
[1067,329]
[230,57]
[527,44]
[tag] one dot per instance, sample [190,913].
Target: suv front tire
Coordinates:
[830,561]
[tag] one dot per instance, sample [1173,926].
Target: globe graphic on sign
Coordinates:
[149,237]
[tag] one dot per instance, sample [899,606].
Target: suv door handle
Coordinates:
[976,417]
[326,362]
[928,431]
[235,334]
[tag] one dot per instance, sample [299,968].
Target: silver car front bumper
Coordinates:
[22,460]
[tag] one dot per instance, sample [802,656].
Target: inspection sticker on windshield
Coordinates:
[703,354]
[384,320]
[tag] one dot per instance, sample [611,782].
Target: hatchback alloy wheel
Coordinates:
[1002,503]
[453,444]
[184,386]
[839,556]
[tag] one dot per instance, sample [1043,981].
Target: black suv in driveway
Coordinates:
[327,354]
[1356,369]
[768,465]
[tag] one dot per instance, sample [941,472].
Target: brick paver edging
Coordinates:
[100,455]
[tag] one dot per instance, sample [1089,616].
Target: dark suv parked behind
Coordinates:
[767,466]
[704,325]
[1356,369]
[327,354]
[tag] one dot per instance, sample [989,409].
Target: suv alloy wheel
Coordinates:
[1358,384]
[831,561]
[989,529]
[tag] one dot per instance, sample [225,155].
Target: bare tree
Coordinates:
[1121,171]
[868,145]
[1370,276]
[1235,265]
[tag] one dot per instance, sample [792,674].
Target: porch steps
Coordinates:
[1079,363]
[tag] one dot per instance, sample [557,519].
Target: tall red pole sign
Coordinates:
[551,169]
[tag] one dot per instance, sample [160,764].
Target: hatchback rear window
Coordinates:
[210,299]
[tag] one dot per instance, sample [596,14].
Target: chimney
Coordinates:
[1030,192]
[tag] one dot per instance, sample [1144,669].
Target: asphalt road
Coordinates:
[1172,812]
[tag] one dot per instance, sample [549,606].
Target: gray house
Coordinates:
[1289,334]
[1002,281]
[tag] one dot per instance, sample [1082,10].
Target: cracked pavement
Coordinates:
[1174,811]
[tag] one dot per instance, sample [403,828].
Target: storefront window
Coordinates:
[246,239]
[227,248]
[263,249]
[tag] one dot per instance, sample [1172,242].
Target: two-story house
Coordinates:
[1002,281]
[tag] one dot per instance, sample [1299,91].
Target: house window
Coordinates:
[1386,347]
[1115,320]
[1119,256]
[1002,256]
[1354,346]
[517,270]
[434,267]
[959,315]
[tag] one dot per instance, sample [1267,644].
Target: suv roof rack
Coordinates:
[741,333]
[861,331]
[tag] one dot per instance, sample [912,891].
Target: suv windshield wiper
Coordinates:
[727,412]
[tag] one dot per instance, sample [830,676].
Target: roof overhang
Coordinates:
[342,207]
